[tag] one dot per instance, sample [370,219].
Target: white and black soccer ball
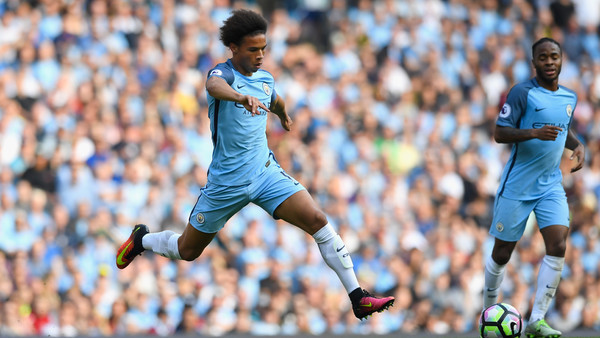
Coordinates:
[500,320]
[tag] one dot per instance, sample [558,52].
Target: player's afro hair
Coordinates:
[240,24]
[542,40]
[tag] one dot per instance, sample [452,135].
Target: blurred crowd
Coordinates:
[103,124]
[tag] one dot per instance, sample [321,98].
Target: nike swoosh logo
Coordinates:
[538,109]
[340,249]
[367,305]
[241,86]
[120,256]
[490,290]
[550,287]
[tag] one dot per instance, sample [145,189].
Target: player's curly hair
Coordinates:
[240,24]
[542,40]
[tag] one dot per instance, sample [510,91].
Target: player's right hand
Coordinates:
[548,133]
[252,104]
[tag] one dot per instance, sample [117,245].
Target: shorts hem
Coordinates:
[283,199]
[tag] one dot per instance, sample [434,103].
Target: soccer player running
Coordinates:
[536,119]
[244,170]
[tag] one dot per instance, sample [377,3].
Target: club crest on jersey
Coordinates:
[266,88]
[506,110]
[569,110]
[200,218]
[499,227]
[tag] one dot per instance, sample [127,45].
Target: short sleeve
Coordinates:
[273,95]
[513,108]
[222,71]
[573,110]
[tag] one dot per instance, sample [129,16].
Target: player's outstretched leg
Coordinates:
[336,255]
[541,329]
[132,246]
[368,304]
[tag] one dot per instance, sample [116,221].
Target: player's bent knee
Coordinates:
[320,219]
[314,222]
[189,257]
[557,248]
[501,257]
[189,254]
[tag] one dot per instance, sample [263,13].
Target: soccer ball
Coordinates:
[500,321]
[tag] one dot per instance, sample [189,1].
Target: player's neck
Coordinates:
[239,68]
[550,85]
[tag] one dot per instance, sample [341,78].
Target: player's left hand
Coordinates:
[579,153]
[286,122]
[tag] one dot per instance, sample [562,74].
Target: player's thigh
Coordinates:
[552,213]
[215,206]
[301,210]
[284,198]
[552,209]
[510,218]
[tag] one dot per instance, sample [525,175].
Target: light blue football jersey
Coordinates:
[533,167]
[240,149]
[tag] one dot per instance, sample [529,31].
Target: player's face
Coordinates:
[250,53]
[547,61]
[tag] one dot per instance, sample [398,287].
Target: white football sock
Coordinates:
[163,243]
[547,282]
[336,256]
[494,274]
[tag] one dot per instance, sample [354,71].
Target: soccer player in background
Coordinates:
[244,170]
[536,119]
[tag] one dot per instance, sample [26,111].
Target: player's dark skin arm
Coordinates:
[573,143]
[514,135]
[221,90]
[546,133]
[278,108]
